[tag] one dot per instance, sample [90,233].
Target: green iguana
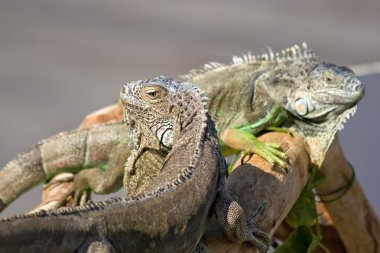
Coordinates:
[293,88]
[170,212]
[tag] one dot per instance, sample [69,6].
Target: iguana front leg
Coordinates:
[242,138]
[80,187]
[94,179]
[237,139]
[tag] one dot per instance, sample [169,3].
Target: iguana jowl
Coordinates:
[292,88]
[170,214]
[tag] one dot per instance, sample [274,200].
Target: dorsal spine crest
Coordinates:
[289,54]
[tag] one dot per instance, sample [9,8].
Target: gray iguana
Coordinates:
[292,88]
[170,213]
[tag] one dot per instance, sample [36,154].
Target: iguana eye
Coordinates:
[153,94]
[328,79]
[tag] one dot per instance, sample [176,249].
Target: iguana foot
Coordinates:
[76,192]
[237,139]
[81,197]
[269,151]
[262,246]
[57,193]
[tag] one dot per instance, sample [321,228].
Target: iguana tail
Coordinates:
[64,233]
[64,152]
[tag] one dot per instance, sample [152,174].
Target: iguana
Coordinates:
[170,212]
[293,88]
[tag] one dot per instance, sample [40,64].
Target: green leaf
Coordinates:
[315,243]
[302,216]
[317,177]
[304,212]
[300,241]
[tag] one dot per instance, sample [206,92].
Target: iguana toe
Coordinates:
[258,237]
[81,197]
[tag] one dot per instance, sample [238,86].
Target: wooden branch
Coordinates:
[254,182]
[111,113]
[352,214]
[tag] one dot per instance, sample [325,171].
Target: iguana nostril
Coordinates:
[359,88]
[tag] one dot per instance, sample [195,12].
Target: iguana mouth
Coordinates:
[131,101]
[337,96]
[322,114]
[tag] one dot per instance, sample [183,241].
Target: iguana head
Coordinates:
[148,107]
[319,96]
[160,106]
[325,92]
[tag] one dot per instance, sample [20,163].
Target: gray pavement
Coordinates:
[60,60]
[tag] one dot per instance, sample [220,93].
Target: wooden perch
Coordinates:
[254,182]
[352,214]
[111,113]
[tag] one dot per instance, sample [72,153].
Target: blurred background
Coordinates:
[60,60]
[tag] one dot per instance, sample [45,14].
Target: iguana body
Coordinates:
[170,213]
[294,88]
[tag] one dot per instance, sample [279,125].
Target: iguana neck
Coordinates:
[319,136]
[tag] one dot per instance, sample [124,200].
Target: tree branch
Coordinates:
[352,214]
[254,182]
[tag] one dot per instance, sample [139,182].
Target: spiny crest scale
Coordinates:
[289,54]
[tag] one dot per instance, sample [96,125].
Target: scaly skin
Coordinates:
[96,149]
[257,93]
[170,212]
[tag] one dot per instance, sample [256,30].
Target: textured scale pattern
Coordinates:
[318,98]
[194,168]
